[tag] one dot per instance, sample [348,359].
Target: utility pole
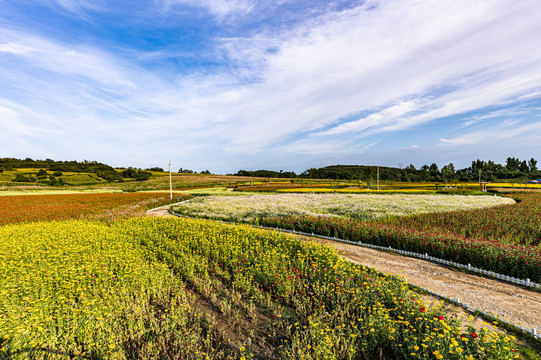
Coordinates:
[479,176]
[378,177]
[170,182]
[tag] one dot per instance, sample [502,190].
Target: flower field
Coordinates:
[152,288]
[30,208]
[464,229]
[516,225]
[355,191]
[359,207]
[498,256]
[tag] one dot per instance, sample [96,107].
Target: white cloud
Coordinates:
[219,8]
[433,59]
[35,53]
[495,133]
[404,62]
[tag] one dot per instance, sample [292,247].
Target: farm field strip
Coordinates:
[359,207]
[57,192]
[354,191]
[23,208]
[81,289]
[516,225]
[118,290]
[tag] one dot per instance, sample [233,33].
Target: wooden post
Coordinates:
[378,177]
[170,182]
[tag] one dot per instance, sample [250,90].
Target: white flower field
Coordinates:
[355,206]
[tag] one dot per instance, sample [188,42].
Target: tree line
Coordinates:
[513,169]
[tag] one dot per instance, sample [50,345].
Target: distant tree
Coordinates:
[22,178]
[512,164]
[446,174]
[155,169]
[129,172]
[57,173]
[523,167]
[109,175]
[42,172]
[532,164]
[141,175]
[205,172]
[433,169]
[185,171]
[423,173]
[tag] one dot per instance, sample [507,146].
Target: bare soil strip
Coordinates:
[509,302]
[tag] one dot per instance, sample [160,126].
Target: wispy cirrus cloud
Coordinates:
[504,130]
[333,83]
[218,8]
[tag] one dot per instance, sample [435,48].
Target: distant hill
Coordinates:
[103,171]
[514,169]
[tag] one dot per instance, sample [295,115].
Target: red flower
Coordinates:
[423,309]
[474,335]
[440,317]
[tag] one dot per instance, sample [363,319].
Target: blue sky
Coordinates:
[277,84]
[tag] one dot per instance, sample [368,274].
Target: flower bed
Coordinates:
[497,256]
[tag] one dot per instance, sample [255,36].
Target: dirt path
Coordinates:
[509,302]
[512,303]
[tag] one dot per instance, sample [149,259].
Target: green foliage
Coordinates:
[22,178]
[185,171]
[267,174]
[109,175]
[139,175]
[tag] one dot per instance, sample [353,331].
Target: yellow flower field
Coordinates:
[151,288]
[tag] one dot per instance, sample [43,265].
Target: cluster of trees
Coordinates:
[139,175]
[41,177]
[514,169]
[104,171]
[267,174]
